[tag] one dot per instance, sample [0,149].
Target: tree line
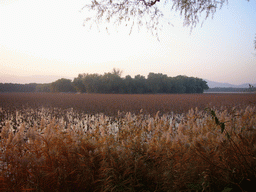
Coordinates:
[114,83]
[226,90]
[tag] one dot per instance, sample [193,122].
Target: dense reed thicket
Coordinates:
[47,149]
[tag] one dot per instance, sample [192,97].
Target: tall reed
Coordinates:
[209,150]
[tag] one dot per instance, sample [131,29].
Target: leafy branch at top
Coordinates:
[148,12]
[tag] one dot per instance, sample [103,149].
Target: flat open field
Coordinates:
[110,104]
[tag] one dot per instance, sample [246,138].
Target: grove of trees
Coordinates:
[154,83]
[114,83]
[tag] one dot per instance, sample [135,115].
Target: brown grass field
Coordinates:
[105,142]
[110,104]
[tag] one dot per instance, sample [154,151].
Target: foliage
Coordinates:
[46,87]
[62,85]
[114,83]
[78,84]
[131,13]
[154,83]
[148,12]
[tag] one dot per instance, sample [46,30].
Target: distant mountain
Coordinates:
[213,84]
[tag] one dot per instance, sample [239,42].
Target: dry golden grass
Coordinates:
[50,149]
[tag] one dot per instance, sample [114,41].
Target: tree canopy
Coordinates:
[148,12]
[154,83]
[62,85]
[112,82]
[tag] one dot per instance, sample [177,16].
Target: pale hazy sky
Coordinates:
[47,38]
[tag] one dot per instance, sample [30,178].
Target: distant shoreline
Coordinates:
[229,92]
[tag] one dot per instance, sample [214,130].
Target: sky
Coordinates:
[44,40]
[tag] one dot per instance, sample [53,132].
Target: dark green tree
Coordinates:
[201,85]
[157,83]
[190,84]
[179,84]
[113,83]
[129,85]
[62,85]
[140,84]
[78,83]
[92,83]
[43,87]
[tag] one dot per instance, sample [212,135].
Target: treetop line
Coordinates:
[114,83]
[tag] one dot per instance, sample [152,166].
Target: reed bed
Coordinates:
[51,149]
[110,104]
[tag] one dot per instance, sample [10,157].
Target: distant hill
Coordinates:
[213,84]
